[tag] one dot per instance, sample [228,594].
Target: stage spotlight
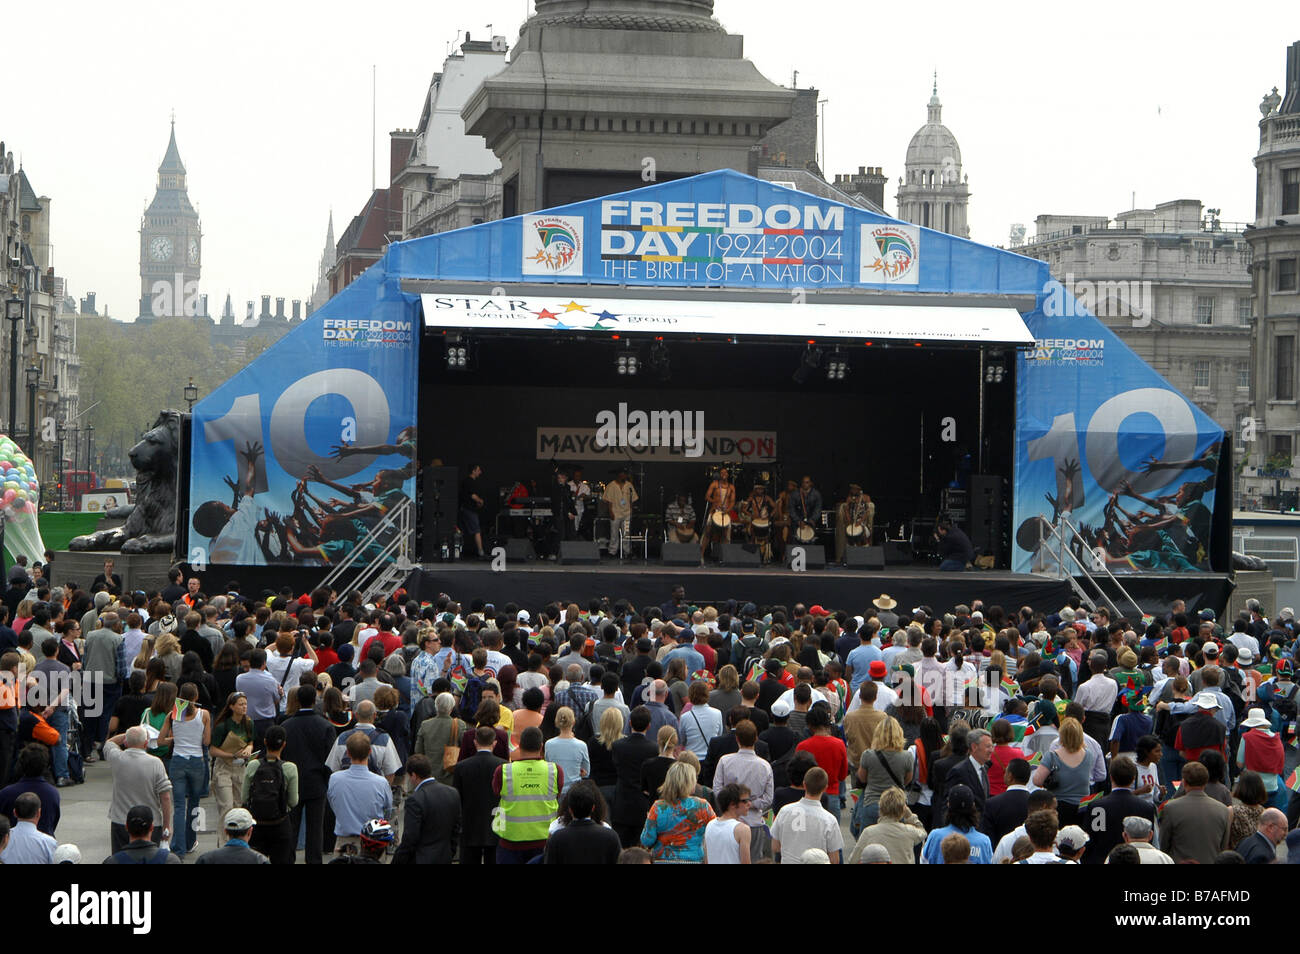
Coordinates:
[660,361]
[457,357]
[810,362]
[837,368]
[628,364]
[994,373]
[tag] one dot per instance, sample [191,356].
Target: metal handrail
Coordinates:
[395,552]
[1084,569]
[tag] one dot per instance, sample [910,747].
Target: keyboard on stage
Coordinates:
[533,513]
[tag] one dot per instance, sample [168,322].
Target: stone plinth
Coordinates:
[139,571]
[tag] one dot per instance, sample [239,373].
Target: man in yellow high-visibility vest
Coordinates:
[530,789]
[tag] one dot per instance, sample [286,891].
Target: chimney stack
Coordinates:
[297,309]
[249,316]
[266,308]
[279,309]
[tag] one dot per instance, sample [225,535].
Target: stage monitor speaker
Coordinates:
[519,550]
[437,518]
[814,555]
[865,558]
[737,554]
[579,552]
[681,554]
[896,553]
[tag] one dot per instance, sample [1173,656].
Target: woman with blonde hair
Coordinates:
[600,751]
[653,771]
[727,696]
[896,828]
[141,663]
[168,649]
[568,751]
[1066,770]
[674,826]
[886,764]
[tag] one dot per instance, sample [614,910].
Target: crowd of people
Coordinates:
[731,733]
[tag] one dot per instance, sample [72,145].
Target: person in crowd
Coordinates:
[431,824]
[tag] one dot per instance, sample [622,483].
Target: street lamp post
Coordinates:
[60,432]
[191,395]
[33,383]
[90,448]
[14,314]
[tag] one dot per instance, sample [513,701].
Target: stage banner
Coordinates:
[297,457]
[718,229]
[1105,444]
[651,439]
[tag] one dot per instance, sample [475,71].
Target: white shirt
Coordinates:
[1097,694]
[236,543]
[1245,641]
[1003,851]
[805,824]
[885,697]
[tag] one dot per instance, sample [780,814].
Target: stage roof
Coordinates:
[535,314]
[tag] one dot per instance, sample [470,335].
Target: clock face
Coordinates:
[194,251]
[160,249]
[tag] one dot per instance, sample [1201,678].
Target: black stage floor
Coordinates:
[535,584]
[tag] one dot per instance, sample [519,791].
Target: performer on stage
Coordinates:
[471,508]
[561,525]
[720,498]
[583,504]
[854,519]
[679,520]
[513,502]
[783,514]
[757,511]
[805,512]
[620,495]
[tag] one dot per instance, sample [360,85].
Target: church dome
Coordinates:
[934,146]
[667,16]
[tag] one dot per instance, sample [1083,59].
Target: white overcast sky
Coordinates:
[1058,108]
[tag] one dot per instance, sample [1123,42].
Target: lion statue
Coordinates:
[151,523]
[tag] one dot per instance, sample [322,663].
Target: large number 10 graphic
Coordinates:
[1101,443]
[287,429]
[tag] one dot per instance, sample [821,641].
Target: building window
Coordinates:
[1201,374]
[1204,310]
[1291,191]
[1243,375]
[1244,310]
[1284,369]
[1282,446]
[1203,254]
[1286,274]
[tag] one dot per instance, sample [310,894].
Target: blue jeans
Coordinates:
[186,774]
[97,726]
[952,565]
[59,752]
[1170,768]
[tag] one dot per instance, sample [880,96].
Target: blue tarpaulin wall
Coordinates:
[347,377]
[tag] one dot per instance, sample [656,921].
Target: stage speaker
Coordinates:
[865,558]
[519,550]
[681,554]
[738,554]
[437,521]
[896,554]
[814,555]
[987,520]
[579,552]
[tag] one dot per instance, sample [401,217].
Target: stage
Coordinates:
[536,583]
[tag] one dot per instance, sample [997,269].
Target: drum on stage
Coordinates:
[805,533]
[760,528]
[855,533]
[683,531]
[720,519]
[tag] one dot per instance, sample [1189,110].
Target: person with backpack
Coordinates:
[141,849]
[270,793]
[439,732]
[382,757]
[357,794]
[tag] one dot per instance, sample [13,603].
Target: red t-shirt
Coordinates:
[830,755]
[1002,756]
[390,641]
[709,653]
[324,659]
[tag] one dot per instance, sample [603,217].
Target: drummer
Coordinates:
[720,499]
[854,519]
[680,517]
[757,511]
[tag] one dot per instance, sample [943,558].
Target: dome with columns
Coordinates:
[933,151]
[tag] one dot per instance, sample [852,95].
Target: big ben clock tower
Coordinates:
[170,243]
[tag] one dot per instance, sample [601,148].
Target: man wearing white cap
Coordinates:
[238,827]
[1202,730]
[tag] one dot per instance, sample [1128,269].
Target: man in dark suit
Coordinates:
[472,778]
[973,771]
[431,825]
[630,803]
[309,738]
[1008,811]
[110,580]
[726,744]
[1103,818]
[1261,847]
